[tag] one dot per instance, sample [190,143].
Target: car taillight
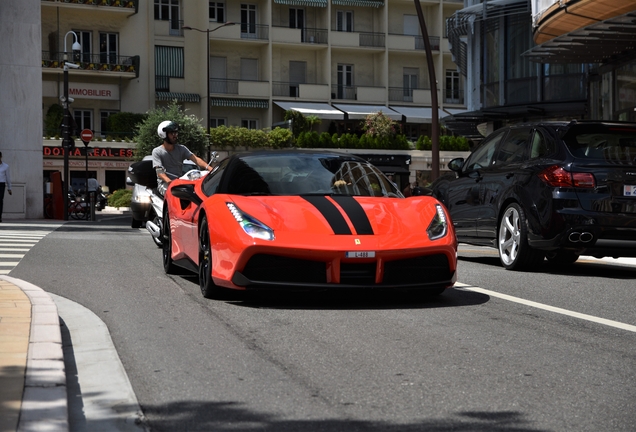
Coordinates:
[556,176]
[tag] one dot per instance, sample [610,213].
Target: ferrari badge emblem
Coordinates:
[357,241]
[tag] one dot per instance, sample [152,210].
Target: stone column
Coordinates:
[21,106]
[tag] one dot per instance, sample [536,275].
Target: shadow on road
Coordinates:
[193,416]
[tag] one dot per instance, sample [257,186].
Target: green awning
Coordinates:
[361,3]
[310,3]
[181,97]
[239,103]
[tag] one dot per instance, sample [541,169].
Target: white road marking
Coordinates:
[561,311]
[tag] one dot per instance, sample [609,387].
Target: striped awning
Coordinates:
[181,97]
[310,3]
[239,103]
[361,3]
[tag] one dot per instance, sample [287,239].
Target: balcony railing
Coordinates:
[224,86]
[132,4]
[372,39]
[176,27]
[93,62]
[343,92]
[432,40]
[454,96]
[254,31]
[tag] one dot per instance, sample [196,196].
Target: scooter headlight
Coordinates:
[252,227]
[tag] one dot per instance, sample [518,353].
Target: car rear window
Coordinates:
[612,144]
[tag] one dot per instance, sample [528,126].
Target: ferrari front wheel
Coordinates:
[168,265]
[208,288]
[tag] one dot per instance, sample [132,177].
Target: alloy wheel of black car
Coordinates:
[168,265]
[208,288]
[561,257]
[514,251]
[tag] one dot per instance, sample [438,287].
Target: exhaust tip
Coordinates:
[586,237]
[574,237]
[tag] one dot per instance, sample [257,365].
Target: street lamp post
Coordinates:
[434,102]
[66,123]
[207,97]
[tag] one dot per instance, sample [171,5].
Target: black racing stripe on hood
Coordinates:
[331,214]
[356,214]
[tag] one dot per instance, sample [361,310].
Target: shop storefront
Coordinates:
[107,162]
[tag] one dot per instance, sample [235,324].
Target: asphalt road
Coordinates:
[469,361]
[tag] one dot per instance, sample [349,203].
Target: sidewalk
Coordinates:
[33,392]
[44,337]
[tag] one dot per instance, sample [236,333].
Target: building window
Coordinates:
[168,64]
[453,91]
[83,119]
[410,80]
[344,21]
[166,10]
[217,12]
[249,123]
[85,39]
[216,122]
[248,20]
[345,82]
[108,48]
[103,122]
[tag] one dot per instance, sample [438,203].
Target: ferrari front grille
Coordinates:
[423,269]
[273,269]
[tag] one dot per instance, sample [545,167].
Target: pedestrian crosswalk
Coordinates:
[17,238]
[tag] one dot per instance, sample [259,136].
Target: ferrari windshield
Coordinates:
[305,174]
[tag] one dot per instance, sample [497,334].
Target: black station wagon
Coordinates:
[554,190]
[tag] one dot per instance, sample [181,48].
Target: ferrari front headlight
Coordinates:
[252,227]
[439,225]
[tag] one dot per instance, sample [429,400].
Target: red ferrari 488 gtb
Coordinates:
[294,219]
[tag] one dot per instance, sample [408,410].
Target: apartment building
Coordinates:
[238,63]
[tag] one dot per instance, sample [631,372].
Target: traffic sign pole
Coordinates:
[86,136]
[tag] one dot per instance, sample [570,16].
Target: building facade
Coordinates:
[241,64]
[529,60]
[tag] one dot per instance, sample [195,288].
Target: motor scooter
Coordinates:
[155,222]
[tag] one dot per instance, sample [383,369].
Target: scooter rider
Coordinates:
[167,159]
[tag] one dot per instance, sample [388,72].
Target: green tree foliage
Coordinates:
[120,198]
[280,138]
[53,120]
[446,143]
[123,124]
[379,125]
[299,122]
[191,134]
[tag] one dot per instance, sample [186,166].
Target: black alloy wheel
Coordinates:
[208,288]
[514,251]
[168,265]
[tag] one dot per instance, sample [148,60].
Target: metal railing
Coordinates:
[86,61]
[254,31]
[432,40]
[369,39]
[343,92]
[224,86]
[454,96]
[114,3]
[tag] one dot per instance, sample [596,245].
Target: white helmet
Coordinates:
[166,126]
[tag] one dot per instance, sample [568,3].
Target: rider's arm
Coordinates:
[200,162]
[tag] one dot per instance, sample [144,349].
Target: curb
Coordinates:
[44,400]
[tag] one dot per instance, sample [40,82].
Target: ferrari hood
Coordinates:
[341,215]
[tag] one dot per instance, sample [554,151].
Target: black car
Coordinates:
[554,190]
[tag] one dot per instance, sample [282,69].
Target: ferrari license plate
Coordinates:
[360,254]
[629,190]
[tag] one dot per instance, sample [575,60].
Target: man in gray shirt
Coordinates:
[167,159]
